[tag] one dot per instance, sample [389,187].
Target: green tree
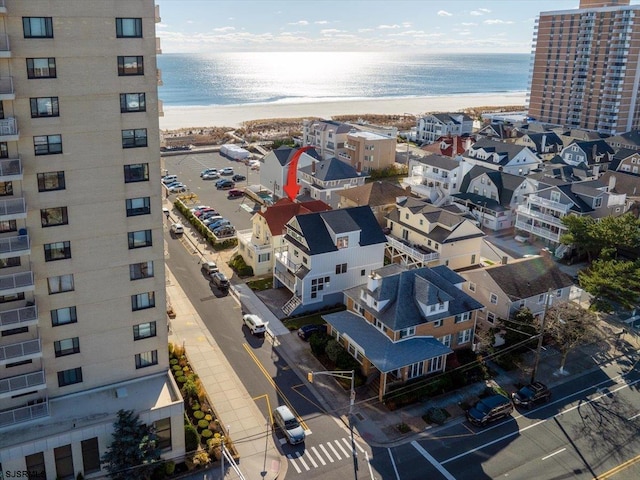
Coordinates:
[570,326]
[580,234]
[133,452]
[611,283]
[520,327]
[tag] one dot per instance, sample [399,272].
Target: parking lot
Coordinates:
[188,167]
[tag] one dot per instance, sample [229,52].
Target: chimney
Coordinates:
[373,281]
[543,144]
[400,200]
[594,152]
[612,183]
[313,168]
[454,146]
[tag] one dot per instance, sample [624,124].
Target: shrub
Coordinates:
[403,428]
[198,414]
[202,424]
[169,467]
[206,433]
[195,406]
[191,438]
[318,343]
[181,379]
[333,350]
[436,415]
[207,417]
[238,264]
[174,362]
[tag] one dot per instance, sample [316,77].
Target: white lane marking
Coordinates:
[359,447]
[393,464]
[308,455]
[304,464]
[351,447]
[343,450]
[326,453]
[318,455]
[432,461]
[636,415]
[554,453]
[293,462]
[366,455]
[334,451]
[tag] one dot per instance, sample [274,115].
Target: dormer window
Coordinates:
[597,202]
[342,242]
[555,197]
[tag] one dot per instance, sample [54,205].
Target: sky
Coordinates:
[426,26]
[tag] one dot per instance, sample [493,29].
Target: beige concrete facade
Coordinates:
[366,151]
[76,321]
[585,67]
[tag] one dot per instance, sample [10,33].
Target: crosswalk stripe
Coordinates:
[319,456]
[334,451]
[293,462]
[340,447]
[349,446]
[313,462]
[326,453]
[304,464]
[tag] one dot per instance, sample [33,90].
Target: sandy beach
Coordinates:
[233,116]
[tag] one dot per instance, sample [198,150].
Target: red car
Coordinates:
[234,193]
[199,213]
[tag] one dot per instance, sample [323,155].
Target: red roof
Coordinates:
[278,214]
[452,145]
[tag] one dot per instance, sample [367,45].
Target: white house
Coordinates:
[275,168]
[505,157]
[436,177]
[324,180]
[432,126]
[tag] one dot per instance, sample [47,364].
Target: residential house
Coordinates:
[366,151]
[432,126]
[275,168]
[595,154]
[435,177]
[257,244]
[497,131]
[403,324]
[380,196]
[505,157]
[541,215]
[492,197]
[626,160]
[324,180]
[423,235]
[544,144]
[450,146]
[325,253]
[505,289]
[327,136]
[628,140]
[556,172]
[623,183]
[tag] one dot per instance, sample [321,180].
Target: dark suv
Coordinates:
[219,280]
[305,331]
[527,397]
[489,409]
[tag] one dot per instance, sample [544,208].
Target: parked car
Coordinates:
[226,185]
[211,176]
[181,187]
[207,171]
[171,184]
[212,219]
[224,231]
[220,281]
[226,171]
[209,267]
[177,228]
[235,193]
[489,409]
[209,214]
[288,423]
[219,223]
[305,331]
[198,208]
[255,324]
[530,395]
[169,178]
[203,211]
[238,178]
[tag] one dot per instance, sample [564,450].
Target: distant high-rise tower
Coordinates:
[83,325]
[585,71]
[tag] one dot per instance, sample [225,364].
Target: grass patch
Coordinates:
[261,284]
[296,323]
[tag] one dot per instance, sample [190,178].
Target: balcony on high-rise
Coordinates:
[19,384]
[5,48]
[25,316]
[15,245]
[13,209]
[17,283]
[20,351]
[7,91]
[10,169]
[9,130]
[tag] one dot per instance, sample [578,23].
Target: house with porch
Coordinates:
[421,234]
[436,177]
[432,126]
[596,155]
[402,324]
[257,244]
[325,253]
[545,144]
[275,168]
[324,180]
[327,136]
[524,283]
[504,157]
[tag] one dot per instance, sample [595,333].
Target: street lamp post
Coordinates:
[352,397]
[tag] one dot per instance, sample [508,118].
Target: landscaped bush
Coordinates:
[169,467]
[239,266]
[181,379]
[177,368]
[198,415]
[318,343]
[202,229]
[202,424]
[208,417]
[195,406]
[173,361]
[436,415]
[191,438]
[207,433]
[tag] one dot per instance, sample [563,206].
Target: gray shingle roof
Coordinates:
[331,169]
[439,161]
[507,151]
[283,154]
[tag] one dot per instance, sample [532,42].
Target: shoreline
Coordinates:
[178,117]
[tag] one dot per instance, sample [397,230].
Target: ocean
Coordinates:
[263,78]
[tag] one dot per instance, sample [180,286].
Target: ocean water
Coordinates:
[246,78]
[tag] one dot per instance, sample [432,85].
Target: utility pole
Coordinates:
[540,336]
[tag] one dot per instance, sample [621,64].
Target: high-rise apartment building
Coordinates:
[585,71]
[82,284]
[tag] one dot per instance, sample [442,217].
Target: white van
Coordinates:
[169,178]
[289,424]
[177,229]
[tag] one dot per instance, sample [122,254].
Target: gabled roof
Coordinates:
[629,138]
[550,138]
[579,205]
[314,227]
[591,147]
[440,161]
[506,183]
[407,289]
[623,182]
[449,146]
[338,127]
[434,216]
[284,153]
[529,277]
[449,117]
[506,151]
[331,169]
[278,214]
[374,194]
[620,155]
[495,130]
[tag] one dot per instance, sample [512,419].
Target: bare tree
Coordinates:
[571,326]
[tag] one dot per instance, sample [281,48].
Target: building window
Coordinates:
[44,107]
[342,242]
[341,268]
[63,316]
[491,317]
[318,284]
[493,298]
[68,346]
[143,301]
[35,465]
[61,284]
[9,262]
[134,138]
[8,226]
[11,298]
[37,27]
[50,217]
[138,206]
[472,287]
[437,323]
[47,144]
[407,332]
[137,172]
[436,364]
[163,433]
[130,66]
[90,455]
[64,462]
[57,251]
[140,239]
[50,181]
[446,340]
[144,330]
[141,270]
[128,27]
[597,202]
[14,331]
[146,359]
[415,370]
[69,377]
[6,189]
[132,102]
[555,197]
[541,298]
[363,272]
[266,257]
[464,336]
[41,68]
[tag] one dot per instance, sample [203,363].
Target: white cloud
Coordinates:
[498,22]
[321,22]
[480,11]
[224,29]
[330,31]
[299,22]
[444,13]
[363,30]
[469,24]
[464,32]
[161,25]
[406,24]
[387,27]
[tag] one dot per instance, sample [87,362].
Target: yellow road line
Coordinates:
[266,397]
[273,384]
[618,469]
[295,389]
